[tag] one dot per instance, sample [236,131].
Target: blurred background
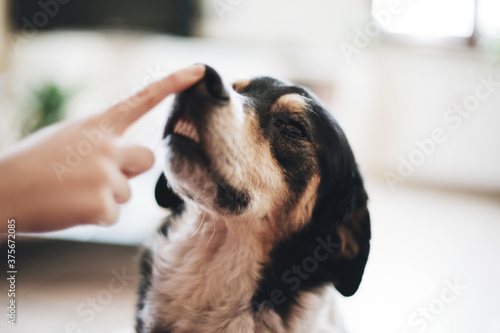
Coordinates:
[414,84]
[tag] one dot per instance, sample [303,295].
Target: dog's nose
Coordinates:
[214,86]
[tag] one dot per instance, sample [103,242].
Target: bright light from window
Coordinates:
[488,15]
[428,18]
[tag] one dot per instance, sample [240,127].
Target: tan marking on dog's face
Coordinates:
[301,210]
[239,85]
[264,176]
[292,103]
[304,208]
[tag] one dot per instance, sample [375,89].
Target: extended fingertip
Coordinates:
[197,69]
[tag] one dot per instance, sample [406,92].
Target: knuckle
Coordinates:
[149,98]
[144,98]
[97,208]
[175,79]
[124,193]
[127,194]
[101,173]
[105,209]
[107,147]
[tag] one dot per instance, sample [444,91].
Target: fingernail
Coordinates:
[197,69]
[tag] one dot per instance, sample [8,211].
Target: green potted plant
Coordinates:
[45,107]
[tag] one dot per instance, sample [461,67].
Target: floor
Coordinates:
[433,267]
[73,287]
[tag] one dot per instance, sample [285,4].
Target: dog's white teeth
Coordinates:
[196,137]
[187,129]
[177,127]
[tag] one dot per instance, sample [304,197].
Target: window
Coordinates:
[488,14]
[465,20]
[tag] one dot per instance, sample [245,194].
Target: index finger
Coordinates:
[125,113]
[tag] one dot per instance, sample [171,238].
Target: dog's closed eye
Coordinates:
[288,126]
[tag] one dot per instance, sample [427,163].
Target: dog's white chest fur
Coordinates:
[203,280]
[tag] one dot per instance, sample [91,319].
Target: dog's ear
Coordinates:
[165,197]
[349,225]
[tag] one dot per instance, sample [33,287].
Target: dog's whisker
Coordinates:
[314,113]
[157,146]
[266,218]
[213,232]
[201,223]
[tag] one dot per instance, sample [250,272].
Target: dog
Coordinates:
[268,209]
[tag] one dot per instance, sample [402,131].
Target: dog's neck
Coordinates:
[255,233]
[209,264]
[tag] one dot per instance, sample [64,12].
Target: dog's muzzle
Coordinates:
[192,107]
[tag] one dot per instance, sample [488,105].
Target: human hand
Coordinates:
[77,172]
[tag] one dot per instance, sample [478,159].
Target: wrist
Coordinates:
[12,205]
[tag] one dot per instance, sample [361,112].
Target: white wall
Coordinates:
[417,96]
[396,96]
